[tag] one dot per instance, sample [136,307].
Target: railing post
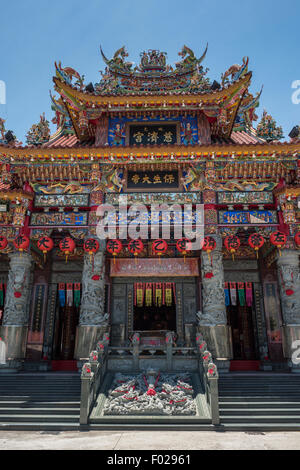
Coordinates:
[136,350]
[169,350]
[86,379]
[209,376]
[94,361]
[213,378]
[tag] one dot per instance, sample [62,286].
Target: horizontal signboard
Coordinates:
[152,180]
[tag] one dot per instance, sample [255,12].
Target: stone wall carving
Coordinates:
[213,297]
[93,289]
[289,285]
[18,290]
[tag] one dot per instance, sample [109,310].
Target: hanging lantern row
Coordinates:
[159,246]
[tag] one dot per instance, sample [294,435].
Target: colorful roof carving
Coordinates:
[267,128]
[152,75]
[246,112]
[7,137]
[153,86]
[38,133]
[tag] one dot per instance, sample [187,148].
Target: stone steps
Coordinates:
[38,401]
[51,402]
[260,402]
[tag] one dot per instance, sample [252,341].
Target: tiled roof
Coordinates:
[69,141]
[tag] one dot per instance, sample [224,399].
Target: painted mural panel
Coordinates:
[156,198]
[60,218]
[61,200]
[245,197]
[247,217]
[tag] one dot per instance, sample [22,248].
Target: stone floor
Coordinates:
[150,440]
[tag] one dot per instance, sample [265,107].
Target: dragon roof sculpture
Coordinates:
[152,74]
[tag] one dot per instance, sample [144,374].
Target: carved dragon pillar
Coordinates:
[93,321]
[16,309]
[212,322]
[289,288]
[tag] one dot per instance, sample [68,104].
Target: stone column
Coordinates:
[289,288]
[16,309]
[93,321]
[212,322]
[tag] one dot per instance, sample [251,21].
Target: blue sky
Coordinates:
[34,34]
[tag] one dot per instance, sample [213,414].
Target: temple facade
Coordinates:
[143,154]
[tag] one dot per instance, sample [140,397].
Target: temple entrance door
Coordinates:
[65,332]
[154,318]
[154,308]
[243,340]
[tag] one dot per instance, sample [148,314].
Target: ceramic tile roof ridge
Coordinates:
[154,93]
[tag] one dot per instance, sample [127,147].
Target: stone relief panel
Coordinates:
[93,290]
[18,290]
[289,284]
[119,290]
[118,314]
[190,310]
[213,297]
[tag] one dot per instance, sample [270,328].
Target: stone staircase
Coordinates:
[260,402]
[248,402]
[40,401]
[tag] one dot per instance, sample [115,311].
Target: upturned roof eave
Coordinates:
[106,99]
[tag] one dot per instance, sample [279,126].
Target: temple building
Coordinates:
[145,136]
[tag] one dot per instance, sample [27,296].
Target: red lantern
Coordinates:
[67,245]
[209,244]
[45,244]
[278,239]
[297,239]
[135,247]
[21,242]
[184,245]
[114,247]
[3,242]
[256,241]
[91,246]
[159,247]
[232,243]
